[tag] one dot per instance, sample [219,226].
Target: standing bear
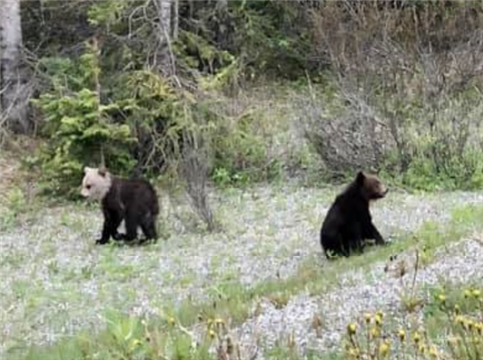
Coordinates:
[134,201]
[348,222]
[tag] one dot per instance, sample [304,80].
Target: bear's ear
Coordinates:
[87,169]
[360,177]
[102,171]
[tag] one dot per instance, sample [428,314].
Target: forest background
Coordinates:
[237,92]
[248,107]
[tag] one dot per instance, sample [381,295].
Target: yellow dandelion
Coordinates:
[422,348]
[136,342]
[212,334]
[460,320]
[417,337]
[433,352]
[380,314]
[401,334]
[457,309]
[368,317]
[378,320]
[476,341]
[442,298]
[171,320]
[352,329]
[479,328]
[353,353]
[467,294]
[375,332]
[476,293]
[384,348]
[219,321]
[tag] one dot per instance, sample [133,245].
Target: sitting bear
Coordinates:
[348,222]
[134,201]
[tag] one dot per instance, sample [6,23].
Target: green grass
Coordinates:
[14,205]
[436,314]
[232,302]
[317,279]
[450,327]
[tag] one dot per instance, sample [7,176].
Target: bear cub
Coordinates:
[134,201]
[348,222]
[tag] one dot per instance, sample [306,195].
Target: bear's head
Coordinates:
[96,183]
[371,186]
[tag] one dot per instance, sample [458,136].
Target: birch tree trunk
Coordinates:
[175,20]
[165,57]
[14,93]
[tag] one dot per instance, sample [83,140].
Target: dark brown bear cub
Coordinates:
[348,222]
[134,201]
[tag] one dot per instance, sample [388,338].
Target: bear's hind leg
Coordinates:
[148,227]
[131,227]
[356,241]
[334,246]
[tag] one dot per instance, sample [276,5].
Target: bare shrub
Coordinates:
[194,170]
[354,138]
[402,84]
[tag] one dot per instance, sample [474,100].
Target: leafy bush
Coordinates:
[155,120]
[463,173]
[240,152]
[80,129]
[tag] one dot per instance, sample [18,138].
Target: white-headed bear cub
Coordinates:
[134,201]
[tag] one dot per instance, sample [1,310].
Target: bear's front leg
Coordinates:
[374,234]
[112,220]
[106,233]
